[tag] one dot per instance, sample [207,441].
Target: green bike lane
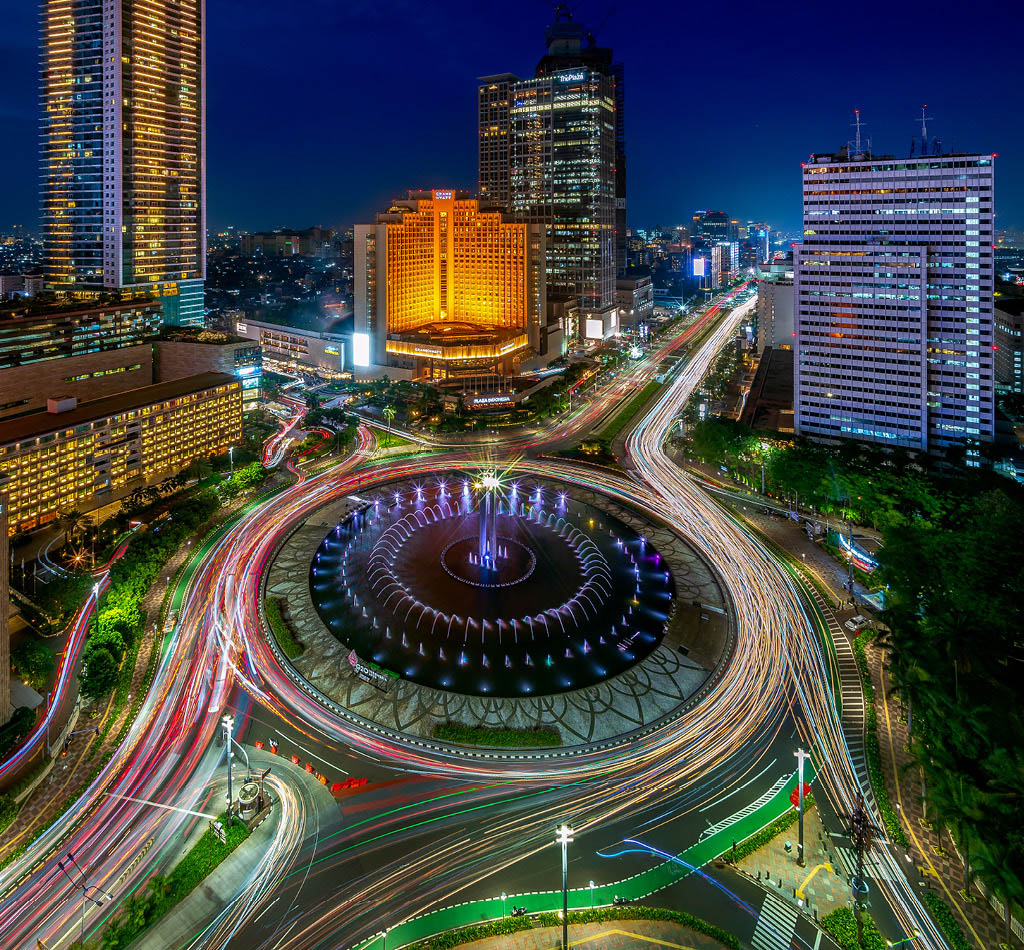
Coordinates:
[635,887]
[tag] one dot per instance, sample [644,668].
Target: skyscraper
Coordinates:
[552,149]
[123,150]
[894,300]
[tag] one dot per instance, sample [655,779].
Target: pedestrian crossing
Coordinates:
[748,809]
[776,924]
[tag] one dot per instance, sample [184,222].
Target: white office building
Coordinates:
[893,295]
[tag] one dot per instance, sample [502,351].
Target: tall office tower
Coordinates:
[894,300]
[123,150]
[552,148]
[712,226]
[494,95]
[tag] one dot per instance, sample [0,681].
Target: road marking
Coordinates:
[775,924]
[740,789]
[752,807]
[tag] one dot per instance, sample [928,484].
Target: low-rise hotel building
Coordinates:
[85,455]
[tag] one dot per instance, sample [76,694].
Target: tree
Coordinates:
[34,662]
[99,672]
[72,522]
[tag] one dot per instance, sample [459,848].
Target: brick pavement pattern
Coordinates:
[606,935]
[826,890]
[943,872]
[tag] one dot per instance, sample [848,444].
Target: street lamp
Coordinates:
[801,757]
[503,896]
[231,458]
[591,895]
[383,934]
[228,722]
[563,836]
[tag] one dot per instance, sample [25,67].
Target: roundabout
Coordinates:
[517,602]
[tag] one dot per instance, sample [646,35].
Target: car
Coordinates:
[851,626]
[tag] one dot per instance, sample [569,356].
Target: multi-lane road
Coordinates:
[434,827]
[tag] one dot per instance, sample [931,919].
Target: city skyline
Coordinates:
[319,149]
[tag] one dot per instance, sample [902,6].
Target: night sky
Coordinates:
[319,111]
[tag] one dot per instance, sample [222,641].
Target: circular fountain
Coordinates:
[491,587]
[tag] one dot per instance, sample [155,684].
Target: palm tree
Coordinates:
[72,523]
[389,414]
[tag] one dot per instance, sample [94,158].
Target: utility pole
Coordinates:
[849,537]
[83,887]
[860,835]
[801,757]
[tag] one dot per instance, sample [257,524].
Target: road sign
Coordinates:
[794,796]
[218,830]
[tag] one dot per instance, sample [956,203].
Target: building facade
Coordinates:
[775,307]
[123,150]
[445,287]
[309,242]
[87,455]
[5,611]
[552,149]
[296,350]
[634,297]
[894,300]
[1009,337]
[188,351]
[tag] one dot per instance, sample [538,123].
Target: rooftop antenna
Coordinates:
[924,130]
[857,125]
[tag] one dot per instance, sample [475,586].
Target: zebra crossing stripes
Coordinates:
[748,810]
[775,924]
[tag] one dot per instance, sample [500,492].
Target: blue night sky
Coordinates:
[319,111]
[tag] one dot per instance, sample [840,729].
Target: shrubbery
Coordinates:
[19,726]
[279,627]
[842,924]
[33,661]
[946,921]
[458,732]
[455,938]
[871,747]
[120,619]
[759,839]
[139,913]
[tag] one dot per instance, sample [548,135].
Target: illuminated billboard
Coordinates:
[698,267]
[594,329]
[360,349]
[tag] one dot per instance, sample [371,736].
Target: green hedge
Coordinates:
[871,746]
[458,732]
[139,913]
[620,420]
[640,912]
[843,926]
[947,922]
[759,839]
[280,629]
[455,938]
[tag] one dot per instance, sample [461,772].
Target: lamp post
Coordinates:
[563,836]
[801,757]
[231,459]
[503,896]
[83,887]
[591,895]
[228,722]
[914,936]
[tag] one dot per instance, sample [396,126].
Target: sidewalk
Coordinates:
[601,936]
[944,873]
[826,891]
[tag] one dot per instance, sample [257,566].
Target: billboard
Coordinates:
[360,349]
[698,266]
[594,329]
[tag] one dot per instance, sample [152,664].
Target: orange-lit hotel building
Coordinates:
[445,286]
[123,150]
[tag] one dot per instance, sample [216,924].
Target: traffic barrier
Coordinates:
[295,760]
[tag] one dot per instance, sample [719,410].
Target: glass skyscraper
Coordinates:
[123,150]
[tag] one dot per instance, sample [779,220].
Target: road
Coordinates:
[435,827]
